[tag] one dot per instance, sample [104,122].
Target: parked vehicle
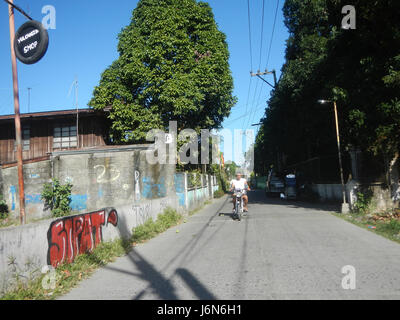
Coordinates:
[290,187]
[274,184]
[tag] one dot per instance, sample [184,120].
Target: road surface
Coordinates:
[280,250]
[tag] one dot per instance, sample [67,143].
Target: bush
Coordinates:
[57,197]
[363,202]
[3,208]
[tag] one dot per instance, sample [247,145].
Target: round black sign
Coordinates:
[31,42]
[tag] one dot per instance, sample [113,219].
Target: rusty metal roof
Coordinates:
[49,114]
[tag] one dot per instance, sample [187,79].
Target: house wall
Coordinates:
[41,136]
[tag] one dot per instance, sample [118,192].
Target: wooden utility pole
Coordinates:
[17,115]
[339,152]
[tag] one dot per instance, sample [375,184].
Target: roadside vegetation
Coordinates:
[56,282]
[364,214]
[57,197]
[5,219]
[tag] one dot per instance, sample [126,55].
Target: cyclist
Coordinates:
[240,184]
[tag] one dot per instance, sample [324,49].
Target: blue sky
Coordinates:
[85,40]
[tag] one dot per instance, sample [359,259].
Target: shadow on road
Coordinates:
[195,285]
[260,197]
[157,283]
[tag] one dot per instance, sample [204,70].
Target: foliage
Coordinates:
[3,208]
[172,65]
[230,169]
[222,180]
[67,275]
[194,178]
[392,227]
[151,228]
[218,193]
[363,202]
[360,69]
[57,197]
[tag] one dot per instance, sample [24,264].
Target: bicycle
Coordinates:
[238,194]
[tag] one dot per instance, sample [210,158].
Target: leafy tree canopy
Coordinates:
[360,69]
[172,65]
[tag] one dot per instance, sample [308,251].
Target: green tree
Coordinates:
[358,68]
[172,65]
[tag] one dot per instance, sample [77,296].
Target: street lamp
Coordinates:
[345,205]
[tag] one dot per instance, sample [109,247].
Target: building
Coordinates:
[45,132]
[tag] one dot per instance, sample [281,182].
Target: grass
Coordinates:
[68,275]
[192,212]
[152,228]
[8,222]
[218,193]
[386,224]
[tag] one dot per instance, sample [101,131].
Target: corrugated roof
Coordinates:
[46,114]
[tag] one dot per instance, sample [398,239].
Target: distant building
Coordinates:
[45,132]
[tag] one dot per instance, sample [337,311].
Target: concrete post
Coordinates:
[210,186]
[186,191]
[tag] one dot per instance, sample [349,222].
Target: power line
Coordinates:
[268,56]
[251,52]
[248,94]
[252,106]
[262,33]
[272,34]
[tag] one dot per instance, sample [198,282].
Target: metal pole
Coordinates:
[17,116]
[339,152]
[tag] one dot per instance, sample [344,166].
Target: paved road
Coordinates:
[281,250]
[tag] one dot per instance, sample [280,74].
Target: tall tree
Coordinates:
[359,68]
[172,65]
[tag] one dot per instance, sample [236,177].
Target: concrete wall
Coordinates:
[113,192]
[99,178]
[35,175]
[381,199]
[328,192]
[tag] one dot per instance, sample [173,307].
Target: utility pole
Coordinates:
[345,205]
[259,74]
[17,114]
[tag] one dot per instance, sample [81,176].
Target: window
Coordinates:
[65,137]
[26,139]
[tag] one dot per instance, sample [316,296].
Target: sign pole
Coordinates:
[17,115]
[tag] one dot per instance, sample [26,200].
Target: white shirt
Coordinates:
[239,184]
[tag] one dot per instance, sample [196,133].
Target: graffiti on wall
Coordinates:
[179,182]
[13,196]
[78,234]
[33,199]
[106,173]
[164,204]
[142,212]
[78,202]
[137,185]
[153,190]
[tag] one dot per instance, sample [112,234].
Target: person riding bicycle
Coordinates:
[240,184]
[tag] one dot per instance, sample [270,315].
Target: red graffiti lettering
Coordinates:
[75,235]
